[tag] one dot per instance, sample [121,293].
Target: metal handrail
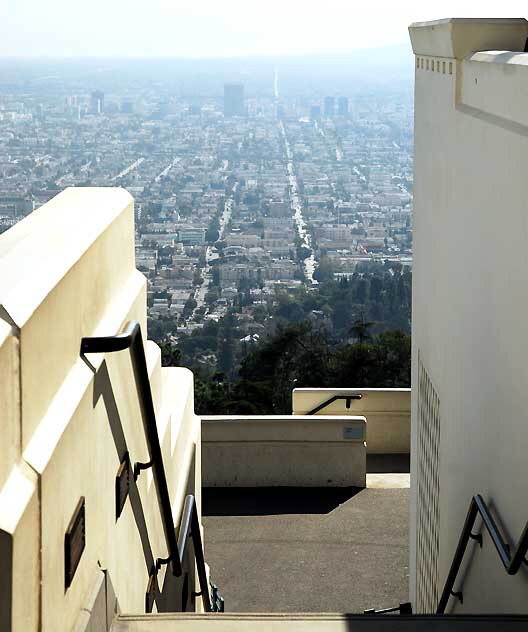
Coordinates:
[403,609]
[333,399]
[131,339]
[511,560]
[190,526]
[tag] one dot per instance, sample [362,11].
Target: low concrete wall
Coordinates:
[387,411]
[283,451]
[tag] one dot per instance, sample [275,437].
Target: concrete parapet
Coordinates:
[458,37]
[287,451]
[387,412]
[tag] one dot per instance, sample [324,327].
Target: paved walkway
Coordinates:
[308,550]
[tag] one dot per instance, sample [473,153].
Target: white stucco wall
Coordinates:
[68,271]
[470,291]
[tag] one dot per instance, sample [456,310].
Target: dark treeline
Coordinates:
[379,293]
[302,355]
[352,332]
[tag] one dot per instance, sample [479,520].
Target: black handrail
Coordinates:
[333,399]
[511,560]
[190,526]
[131,339]
[403,609]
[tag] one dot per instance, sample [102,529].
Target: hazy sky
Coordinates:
[219,28]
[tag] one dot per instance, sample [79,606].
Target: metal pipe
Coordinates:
[510,563]
[489,523]
[333,399]
[131,339]
[190,527]
[200,560]
[519,557]
[459,555]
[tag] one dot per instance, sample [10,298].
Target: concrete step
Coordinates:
[317,623]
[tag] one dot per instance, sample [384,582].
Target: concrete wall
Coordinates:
[469,300]
[262,451]
[68,271]
[387,412]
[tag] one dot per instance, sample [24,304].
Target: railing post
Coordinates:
[200,560]
[519,556]
[459,555]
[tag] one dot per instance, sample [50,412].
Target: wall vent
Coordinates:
[427,514]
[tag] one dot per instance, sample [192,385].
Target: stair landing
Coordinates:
[308,549]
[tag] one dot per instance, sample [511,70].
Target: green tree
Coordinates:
[324,271]
[360,330]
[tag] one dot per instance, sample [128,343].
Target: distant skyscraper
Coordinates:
[342,106]
[329,106]
[127,107]
[276,83]
[97,102]
[233,99]
[315,112]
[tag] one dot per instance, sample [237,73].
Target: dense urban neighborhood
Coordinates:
[253,212]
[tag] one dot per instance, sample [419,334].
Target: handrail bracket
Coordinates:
[139,467]
[477,537]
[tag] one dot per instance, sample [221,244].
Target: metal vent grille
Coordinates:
[428,541]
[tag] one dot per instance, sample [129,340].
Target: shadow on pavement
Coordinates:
[268,501]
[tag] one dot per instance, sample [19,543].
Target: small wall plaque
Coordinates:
[353,432]
[74,542]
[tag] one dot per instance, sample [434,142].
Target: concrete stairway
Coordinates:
[317,623]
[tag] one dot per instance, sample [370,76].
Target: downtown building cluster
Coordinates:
[234,198]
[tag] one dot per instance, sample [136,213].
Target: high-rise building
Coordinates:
[97,102]
[342,106]
[233,99]
[127,107]
[315,112]
[329,106]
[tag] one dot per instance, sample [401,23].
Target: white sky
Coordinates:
[220,28]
